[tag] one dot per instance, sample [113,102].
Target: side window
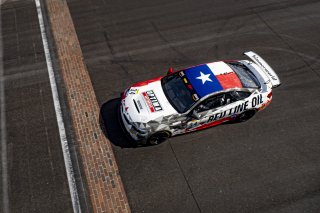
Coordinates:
[215,102]
[229,98]
[239,95]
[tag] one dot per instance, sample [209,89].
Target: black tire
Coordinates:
[245,116]
[158,138]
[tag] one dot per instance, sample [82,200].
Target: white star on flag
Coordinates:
[204,77]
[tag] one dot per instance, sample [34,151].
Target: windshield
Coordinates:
[247,78]
[178,92]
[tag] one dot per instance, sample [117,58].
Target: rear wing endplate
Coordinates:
[264,66]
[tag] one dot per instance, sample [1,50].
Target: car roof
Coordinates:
[212,77]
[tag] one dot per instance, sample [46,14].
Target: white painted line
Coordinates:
[64,143]
[3,129]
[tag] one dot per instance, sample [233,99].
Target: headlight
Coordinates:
[127,120]
[138,129]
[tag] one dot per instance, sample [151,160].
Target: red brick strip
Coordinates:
[105,186]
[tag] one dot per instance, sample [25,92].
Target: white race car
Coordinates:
[196,98]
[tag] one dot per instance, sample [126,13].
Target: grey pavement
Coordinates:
[36,174]
[268,164]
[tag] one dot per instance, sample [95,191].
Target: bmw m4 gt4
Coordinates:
[196,98]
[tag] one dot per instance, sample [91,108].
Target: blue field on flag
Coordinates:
[203,80]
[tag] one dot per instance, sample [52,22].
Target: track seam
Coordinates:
[185,178]
[284,41]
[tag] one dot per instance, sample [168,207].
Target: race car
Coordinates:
[196,98]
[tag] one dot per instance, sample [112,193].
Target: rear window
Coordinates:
[247,78]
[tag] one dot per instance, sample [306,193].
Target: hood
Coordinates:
[146,101]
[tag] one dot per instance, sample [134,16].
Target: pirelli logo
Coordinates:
[152,101]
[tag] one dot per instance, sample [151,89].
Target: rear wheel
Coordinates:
[158,138]
[245,116]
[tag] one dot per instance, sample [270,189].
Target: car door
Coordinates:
[212,111]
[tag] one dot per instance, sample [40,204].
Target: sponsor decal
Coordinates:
[265,69]
[139,104]
[235,110]
[185,80]
[192,124]
[206,125]
[256,100]
[195,97]
[148,101]
[228,114]
[152,101]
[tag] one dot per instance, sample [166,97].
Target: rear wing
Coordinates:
[264,66]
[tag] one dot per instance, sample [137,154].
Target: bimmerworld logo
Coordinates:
[152,101]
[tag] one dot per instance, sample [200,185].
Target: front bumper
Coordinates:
[135,133]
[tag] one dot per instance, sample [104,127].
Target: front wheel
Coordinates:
[245,116]
[158,138]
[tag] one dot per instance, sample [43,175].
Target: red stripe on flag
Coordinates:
[229,80]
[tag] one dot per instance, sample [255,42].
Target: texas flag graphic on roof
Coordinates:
[212,77]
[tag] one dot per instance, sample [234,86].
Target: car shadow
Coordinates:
[111,127]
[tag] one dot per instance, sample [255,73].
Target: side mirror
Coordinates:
[170,71]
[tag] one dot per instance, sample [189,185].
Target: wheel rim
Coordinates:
[246,115]
[154,140]
[242,117]
[158,138]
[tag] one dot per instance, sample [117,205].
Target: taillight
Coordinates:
[269,95]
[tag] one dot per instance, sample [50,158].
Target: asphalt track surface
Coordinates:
[36,177]
[268,164]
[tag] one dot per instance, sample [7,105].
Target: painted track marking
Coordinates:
[62,132]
